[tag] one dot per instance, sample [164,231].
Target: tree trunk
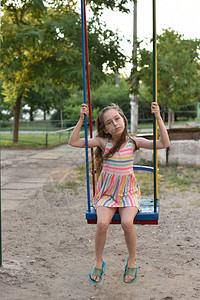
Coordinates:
[169,119]
[31,114]
[117,79]
[163,116]
[61,112]
[173,117]
[134,115]
[163,112]
[16,119]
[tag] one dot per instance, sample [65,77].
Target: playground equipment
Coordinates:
[149,213]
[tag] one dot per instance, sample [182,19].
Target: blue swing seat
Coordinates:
[148,214]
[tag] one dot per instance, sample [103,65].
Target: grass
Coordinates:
[40,125]
[53,139]
[175,177]
[72,185]
[180,178]
[34,140]
[196,202]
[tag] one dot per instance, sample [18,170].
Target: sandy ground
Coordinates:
[48,246]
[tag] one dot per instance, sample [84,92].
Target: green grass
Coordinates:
[145,181]
[145,126]
[72,185]
[34,140]
[175,178]
[195,202]
[40,125]
[180,178]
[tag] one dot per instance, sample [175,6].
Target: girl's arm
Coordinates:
[163,141]
[75,139]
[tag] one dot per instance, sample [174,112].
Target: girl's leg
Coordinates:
[127,215]
[104,217]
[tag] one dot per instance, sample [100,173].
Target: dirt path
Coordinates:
[48,247]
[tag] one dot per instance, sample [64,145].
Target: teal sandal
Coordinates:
[130,271]
[97,272]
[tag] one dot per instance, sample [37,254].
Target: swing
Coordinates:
[149,213]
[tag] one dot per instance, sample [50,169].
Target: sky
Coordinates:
[183,16]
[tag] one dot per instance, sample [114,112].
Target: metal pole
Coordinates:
[134,124]
[0,212]
[135,28]
[0,171]
[89,96]
[85,101]
[155,100]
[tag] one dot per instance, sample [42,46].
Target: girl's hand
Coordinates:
[155,109]
[84,111]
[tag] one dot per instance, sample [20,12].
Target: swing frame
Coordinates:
[149,213]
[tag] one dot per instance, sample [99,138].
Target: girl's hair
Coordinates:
[99,156]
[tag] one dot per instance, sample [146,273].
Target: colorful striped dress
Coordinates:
[117,185]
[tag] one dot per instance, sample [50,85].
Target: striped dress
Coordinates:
[117,185]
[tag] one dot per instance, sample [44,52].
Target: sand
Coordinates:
[48,246]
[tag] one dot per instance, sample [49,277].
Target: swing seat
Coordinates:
[146,216]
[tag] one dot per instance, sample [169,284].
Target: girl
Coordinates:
[117,187]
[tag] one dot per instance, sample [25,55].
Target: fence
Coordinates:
[41,125]
[190,111]
[49,132]
[42,133]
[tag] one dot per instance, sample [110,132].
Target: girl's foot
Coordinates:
[130,271]
[98,265]
[96,274]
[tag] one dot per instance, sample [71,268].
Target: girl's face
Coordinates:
[113,122]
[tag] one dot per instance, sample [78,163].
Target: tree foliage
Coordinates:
[102,96]
[19,40]
[98,5]
[41,49]
[178,70]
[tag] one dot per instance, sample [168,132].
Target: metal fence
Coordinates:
[50,132]
[35,133]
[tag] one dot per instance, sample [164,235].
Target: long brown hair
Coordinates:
[99,156]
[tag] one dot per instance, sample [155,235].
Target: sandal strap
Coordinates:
[131,271]
[95,272]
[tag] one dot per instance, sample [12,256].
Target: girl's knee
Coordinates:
[127,225]
[102,225]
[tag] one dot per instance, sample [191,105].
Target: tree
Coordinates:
[19,41]
[178,70]
[98,5]
[104,95]
[5,110]
[41,48]
[42,99]
[65,70]
[109,93]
